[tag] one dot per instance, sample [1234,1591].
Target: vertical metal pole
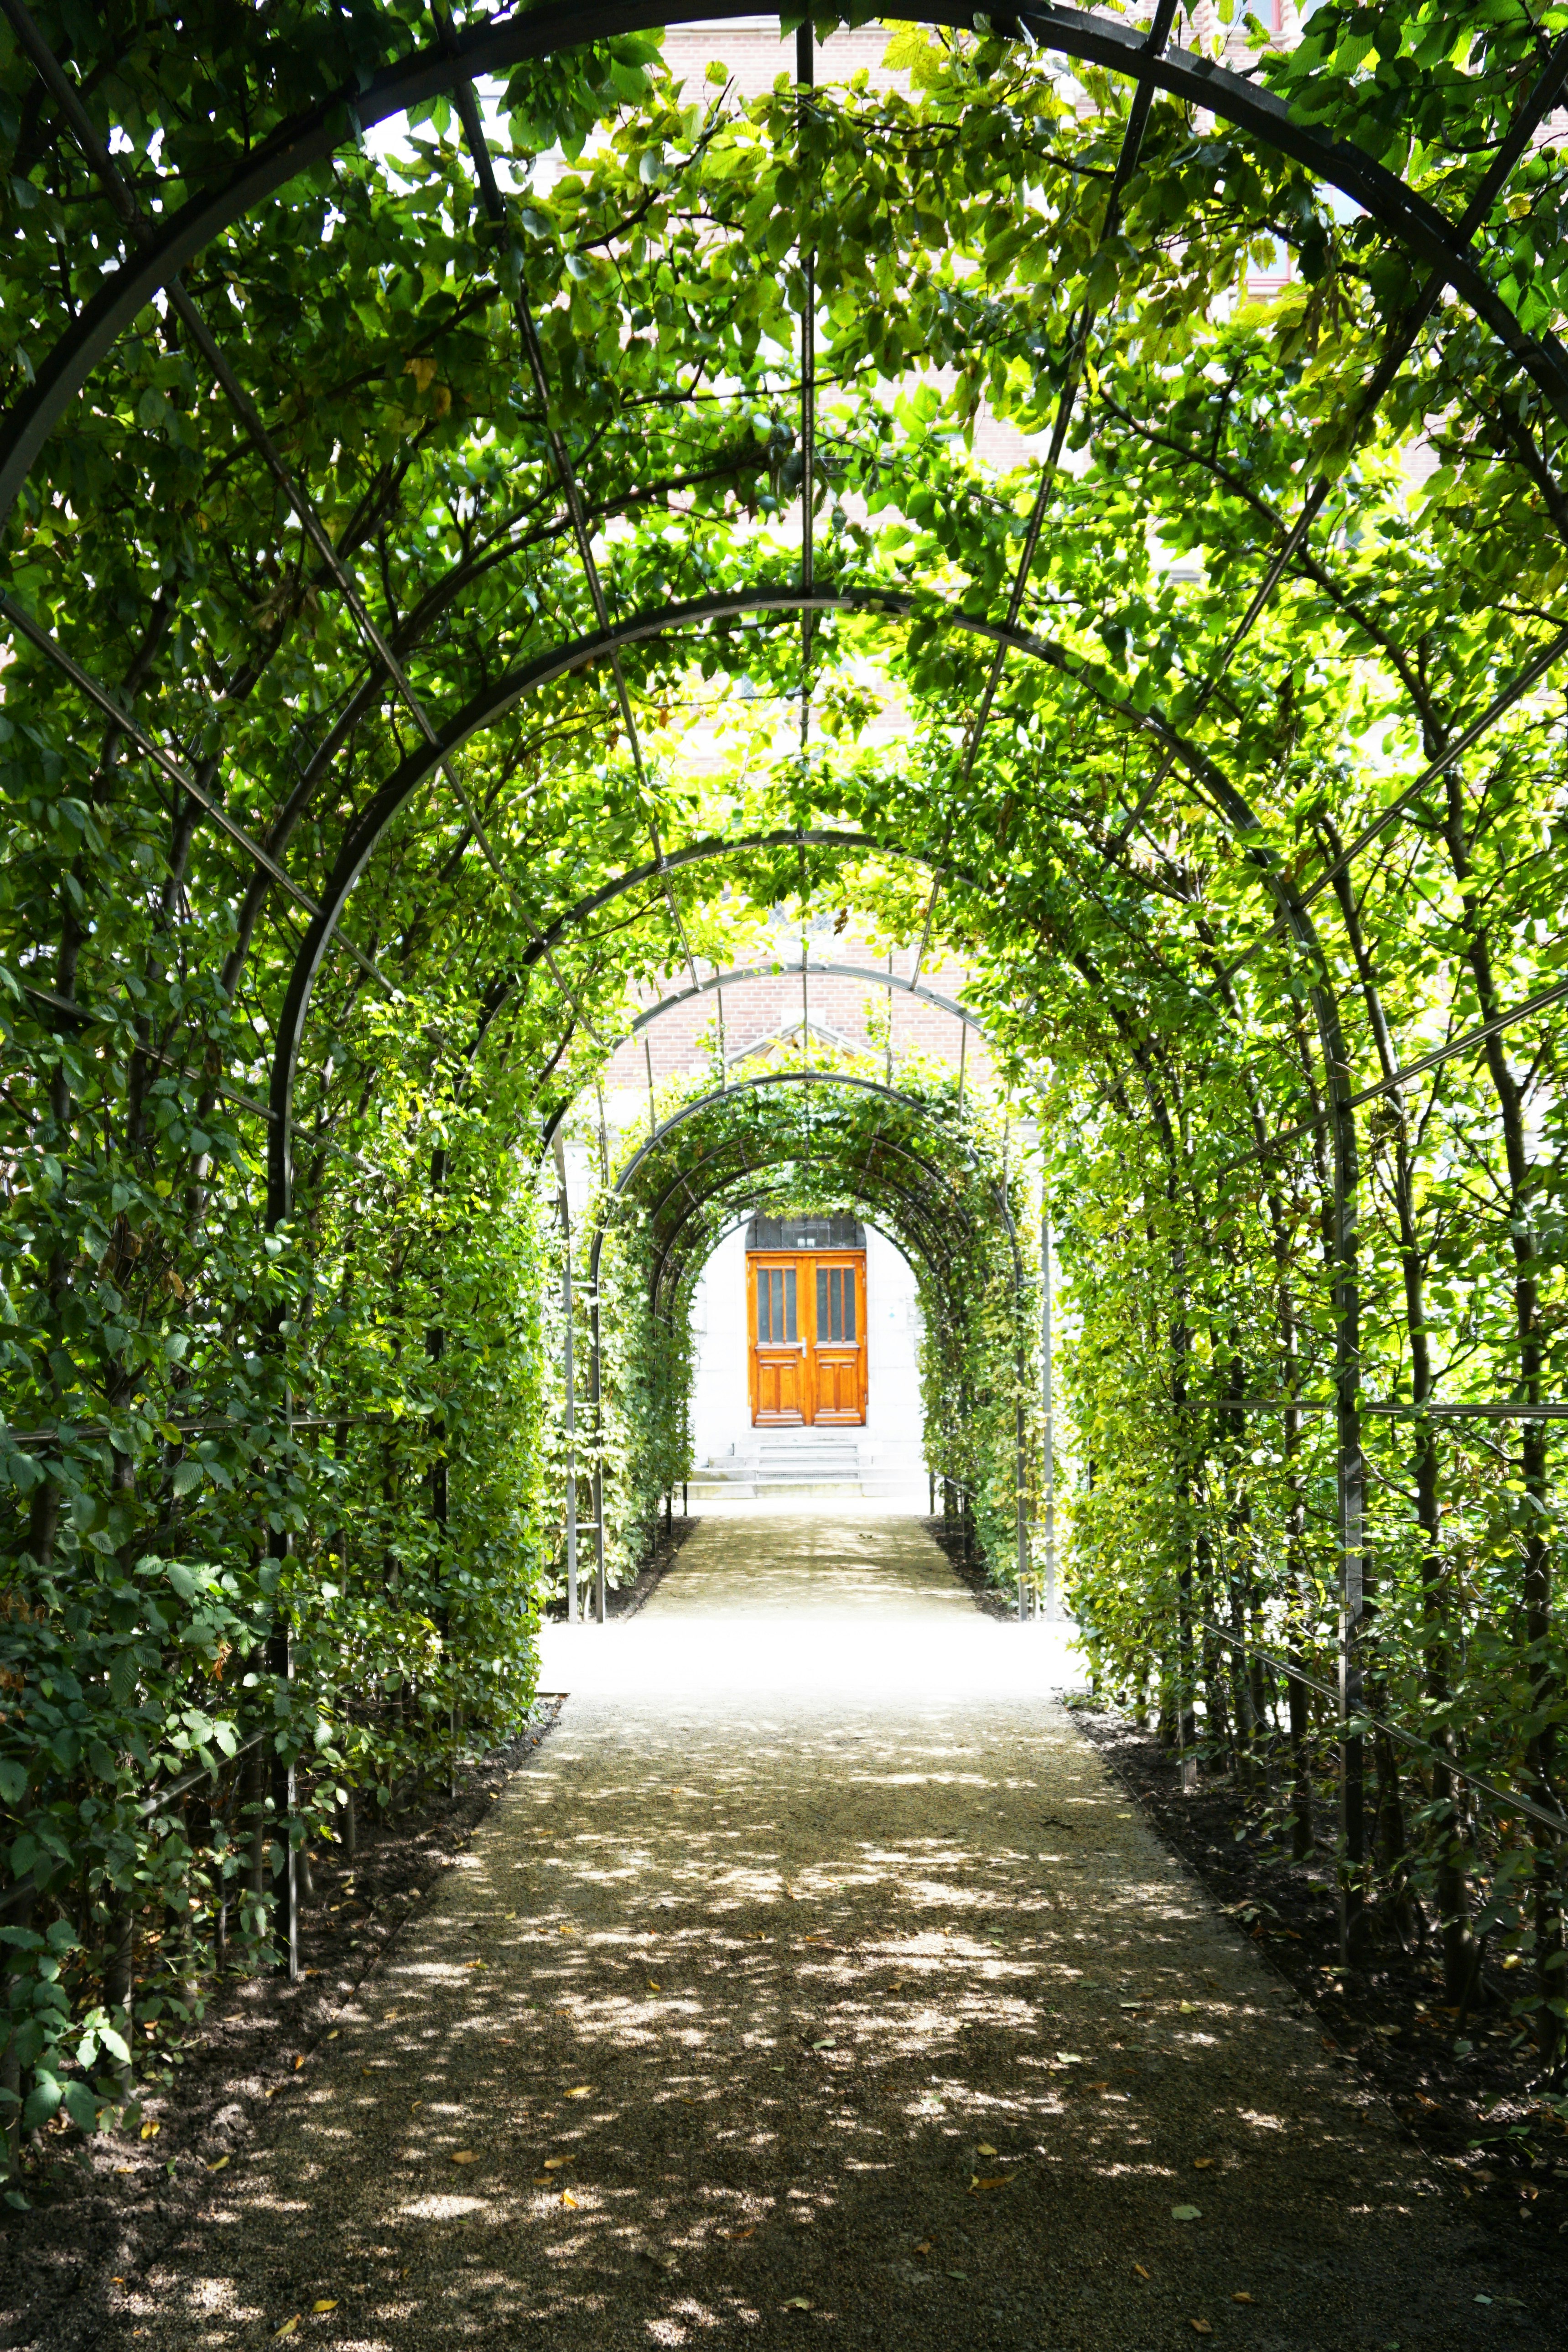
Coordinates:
[595,1397]
[805,76]
[805,993]
[281,1660]
[1047,1425]
[1349,1480]
[652,1112]
[596,1368]
[570,1371]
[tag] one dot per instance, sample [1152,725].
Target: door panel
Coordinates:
[779,1368]
[807,1314]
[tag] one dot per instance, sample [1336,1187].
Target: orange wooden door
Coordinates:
[839,1336]
[778,1301]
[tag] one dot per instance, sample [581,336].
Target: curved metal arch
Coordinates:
[737,976]
[346,113]
[891,1210]
[655,1208]
[925,1111]
[757,1175]
[494,701]
[924,1245]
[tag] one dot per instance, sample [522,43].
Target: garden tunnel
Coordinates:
[812,1139]
[493,517]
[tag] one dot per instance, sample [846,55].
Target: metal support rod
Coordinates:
[596,1399]
[1538,103]
[569,1373]
[1158,33]
[1047,1425]
[280,1660]
[1509,1798]
[1472,1040]
[805,996]
[806,77]
[150,749]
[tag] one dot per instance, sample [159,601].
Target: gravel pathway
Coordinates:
[816,1983]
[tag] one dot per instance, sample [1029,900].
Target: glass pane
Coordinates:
[849,1302]
[764,1327]
[836,1309]
[821,1304]
[789,1329]
[777,1329]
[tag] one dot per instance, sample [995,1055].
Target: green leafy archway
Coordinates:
[357,773]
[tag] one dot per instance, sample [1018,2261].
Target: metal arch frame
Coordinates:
[655,1210]
[1234,812]
[316,133]
[562,659]
[891,1202]
[737,975]
[926,1111]
[596,1255]
[759,1175]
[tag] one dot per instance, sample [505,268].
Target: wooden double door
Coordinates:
[806,1320]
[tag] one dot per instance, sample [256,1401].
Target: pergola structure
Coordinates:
[407,415]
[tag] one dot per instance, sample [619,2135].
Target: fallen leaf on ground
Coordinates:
[1185,2213]
[554,2163]
[1140,2268]
[1203,2163]
[829,2045]
[465,2156]
[925,2247]
[1099,2086]
[739,2233]
[1200,2327]
[654,1985]
[150,2131]
[983,2147]
[125,2168]
[993,2180]
[567,2198]
[1066,2058]
[288,2328]
[327,2303]
[1241,2298]
[580,2091]
[568,1931]
[799,2302]
[219,2165]
[334,2033]
[1187,2009]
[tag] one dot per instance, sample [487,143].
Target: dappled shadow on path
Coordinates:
[753,2017]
